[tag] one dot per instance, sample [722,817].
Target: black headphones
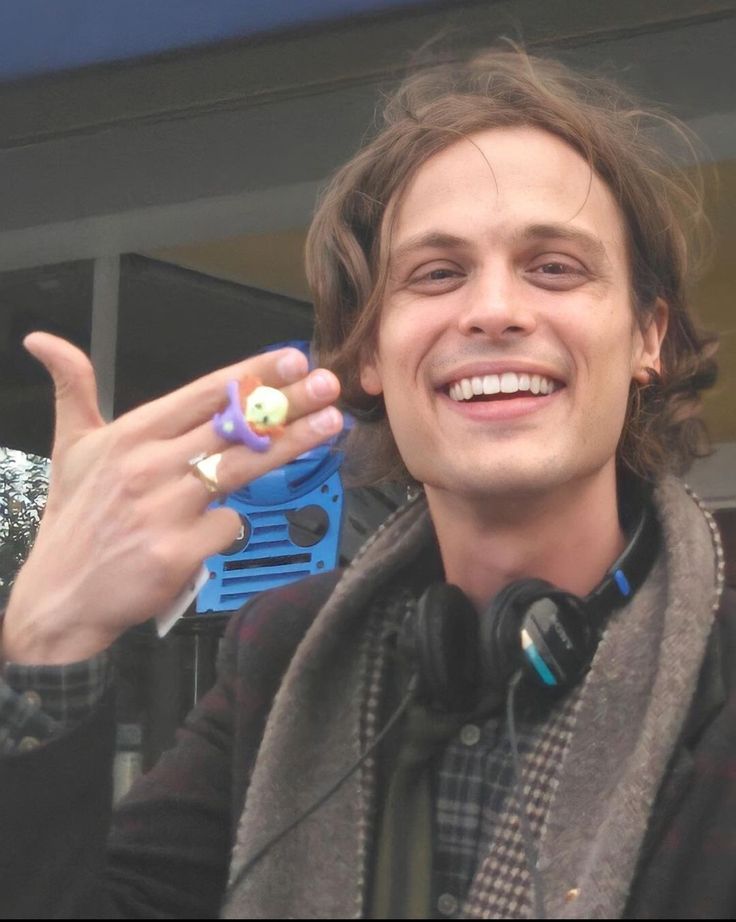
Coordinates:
[532,627]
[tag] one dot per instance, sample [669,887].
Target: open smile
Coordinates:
[505,386]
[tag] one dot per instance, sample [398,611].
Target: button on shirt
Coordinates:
[474,779]
[447,904]
[470,735]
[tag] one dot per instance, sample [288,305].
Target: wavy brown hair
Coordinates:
[660,201]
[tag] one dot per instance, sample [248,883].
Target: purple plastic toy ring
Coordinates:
[231,424]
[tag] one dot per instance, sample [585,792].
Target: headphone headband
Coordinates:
[626,575]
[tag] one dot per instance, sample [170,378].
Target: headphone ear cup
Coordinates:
[501,653]
[545,632]
[439,640]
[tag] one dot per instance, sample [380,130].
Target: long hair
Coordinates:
[667,235]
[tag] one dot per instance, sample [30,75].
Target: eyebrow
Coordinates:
[428,240]
[592,244]
[534,232]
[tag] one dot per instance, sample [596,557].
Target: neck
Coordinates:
[569,538]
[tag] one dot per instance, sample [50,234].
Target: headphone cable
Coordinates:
[264,849]
[530,848]
[518,792]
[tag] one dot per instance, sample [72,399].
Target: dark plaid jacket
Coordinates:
[171,841]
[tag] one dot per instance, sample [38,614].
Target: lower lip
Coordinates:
[500,410]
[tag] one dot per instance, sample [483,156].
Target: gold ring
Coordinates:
[204,468]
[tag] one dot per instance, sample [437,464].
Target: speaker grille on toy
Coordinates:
[285,542]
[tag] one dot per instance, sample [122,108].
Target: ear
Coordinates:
[370,378]
[652,337]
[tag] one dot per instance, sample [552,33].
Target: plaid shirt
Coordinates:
[39,702]
[475,778]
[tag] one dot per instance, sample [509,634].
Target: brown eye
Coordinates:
[556,268]
[557,274]
[434,279]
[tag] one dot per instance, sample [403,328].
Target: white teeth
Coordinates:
[491,384]
[507,383]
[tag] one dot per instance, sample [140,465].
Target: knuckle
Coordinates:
[136,475]
[74,375]
[83,373]
[124,432]
[165,562]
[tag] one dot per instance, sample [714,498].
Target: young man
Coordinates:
[500,283]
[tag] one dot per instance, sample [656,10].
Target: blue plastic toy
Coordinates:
[292,519]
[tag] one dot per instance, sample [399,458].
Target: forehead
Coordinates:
[498,181]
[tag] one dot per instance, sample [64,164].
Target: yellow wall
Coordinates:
[715,301]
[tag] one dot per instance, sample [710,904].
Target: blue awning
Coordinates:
[44,36]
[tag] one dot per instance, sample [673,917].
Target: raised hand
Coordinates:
[126,524]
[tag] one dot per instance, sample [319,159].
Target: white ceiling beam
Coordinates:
[202,220]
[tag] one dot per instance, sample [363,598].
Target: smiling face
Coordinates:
[507,340]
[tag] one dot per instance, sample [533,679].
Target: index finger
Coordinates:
[188,407]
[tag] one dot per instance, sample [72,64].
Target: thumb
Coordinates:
[74,380]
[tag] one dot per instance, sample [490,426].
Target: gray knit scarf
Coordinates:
[629,714]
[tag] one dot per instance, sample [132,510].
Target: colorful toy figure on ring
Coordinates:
[256,420]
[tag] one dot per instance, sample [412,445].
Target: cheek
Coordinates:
[398,351]
[411,328]
[603,355]
[609,382]
[608,343]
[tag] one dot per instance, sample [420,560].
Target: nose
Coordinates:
[494,306]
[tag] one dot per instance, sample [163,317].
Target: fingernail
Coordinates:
[321,385]
[292,366]
[326,422]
